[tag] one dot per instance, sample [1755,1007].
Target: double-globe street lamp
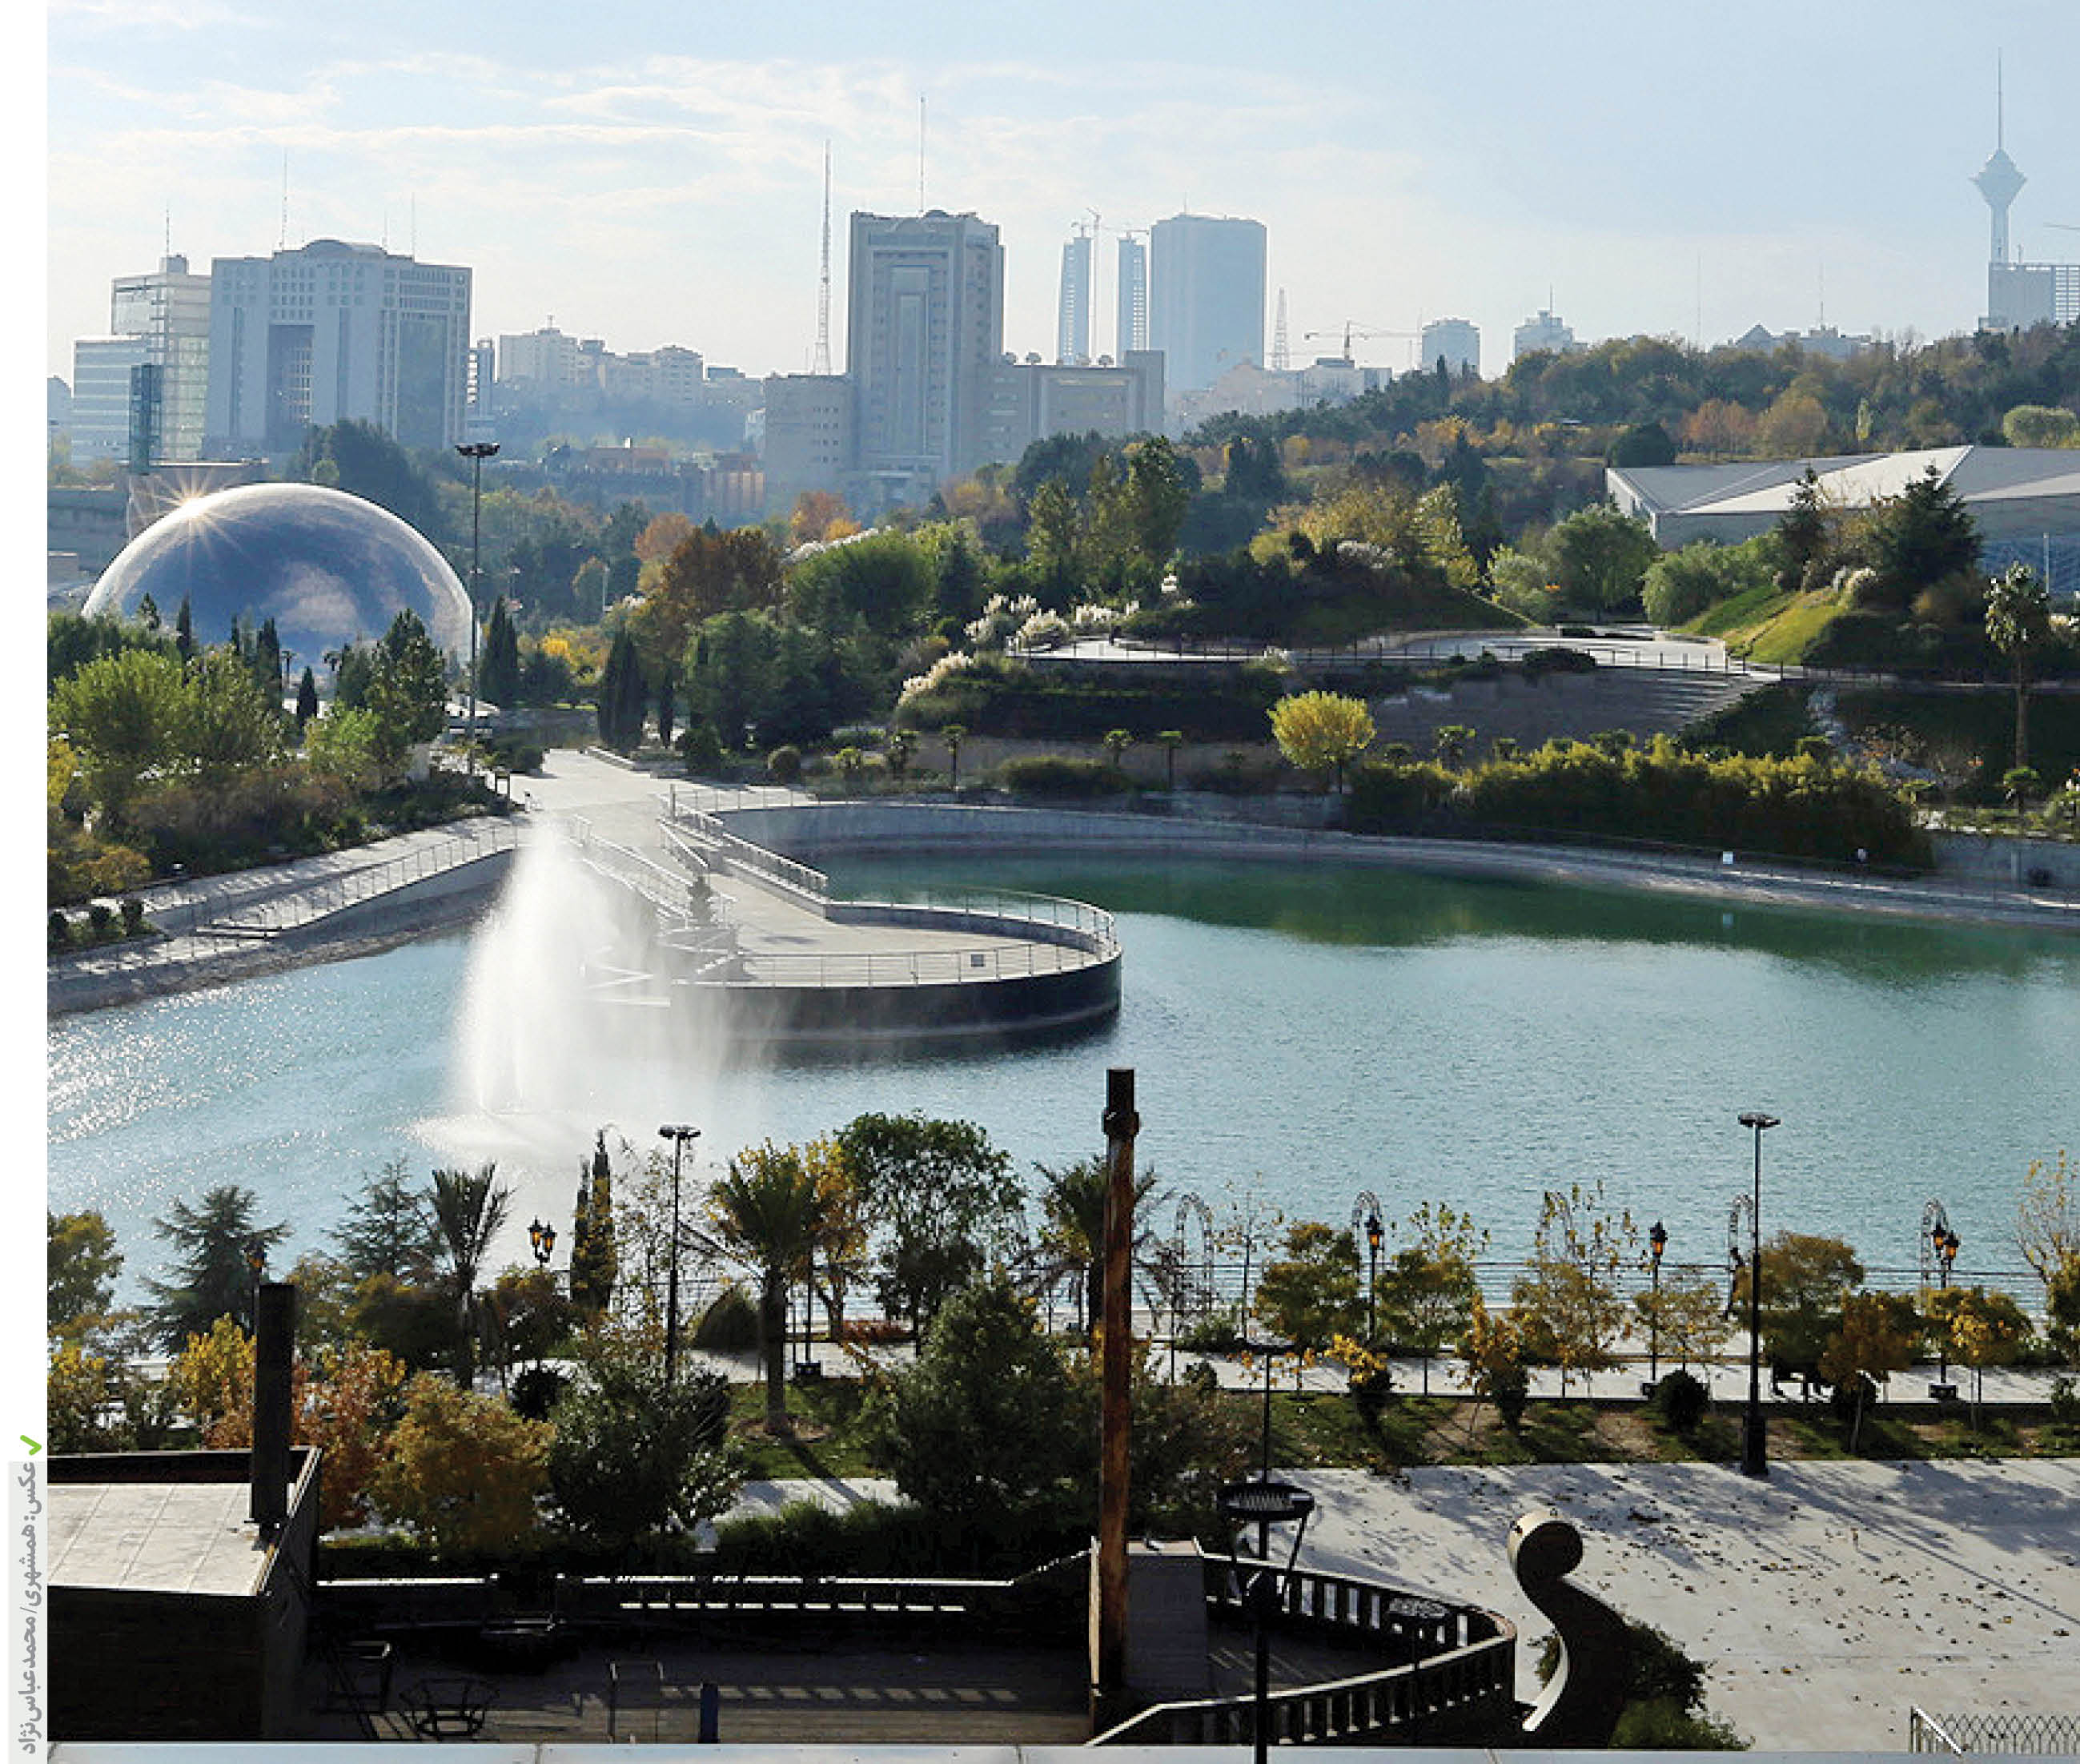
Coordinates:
[542,1239]
[678,1136]
[1755,1437]
[476,452]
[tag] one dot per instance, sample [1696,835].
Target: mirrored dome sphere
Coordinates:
[328,568]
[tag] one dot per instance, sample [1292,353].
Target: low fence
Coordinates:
[2011,1732]
[1450,1667]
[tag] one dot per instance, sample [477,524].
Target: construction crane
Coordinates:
[1351,329]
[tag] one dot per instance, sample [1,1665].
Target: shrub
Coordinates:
[1057,775]
[730,1324]
[783,765]
[535,1392]
[1220,1333]
[60,932]
[101,921]
[1680,1400]
[701,748]
[133,916]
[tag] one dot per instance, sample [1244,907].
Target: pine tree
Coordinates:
[184,630]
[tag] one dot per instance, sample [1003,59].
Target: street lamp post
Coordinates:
[1939,1245]
[1657,1241]
[476,452]
[1263,1502]
[1755,1435]
[678,1136]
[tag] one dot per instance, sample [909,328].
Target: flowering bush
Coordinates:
[954,662]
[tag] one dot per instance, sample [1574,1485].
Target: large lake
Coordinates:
[1303,1031]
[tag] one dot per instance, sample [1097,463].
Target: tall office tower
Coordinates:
[1132,330]
[168,309]
[1546,332]
[332,331]
[1454,341]
[925,323]
[1072,324]
[1205,304]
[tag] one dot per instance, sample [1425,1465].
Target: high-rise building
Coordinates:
[1132,334]
[1454,341]
[1072,323]
[1206,297]
[105,375]
[1547,332]
[924,324]
[334,331]
[168,307]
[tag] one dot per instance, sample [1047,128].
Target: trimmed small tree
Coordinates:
[1878,1333]
[1322,731]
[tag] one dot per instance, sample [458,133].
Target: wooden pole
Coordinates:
[1107,1693]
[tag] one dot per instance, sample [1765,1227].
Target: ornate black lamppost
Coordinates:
[1264,1503]
[1755,1435]
[1939,1253]
[678,1136]
[1657,1241]
[476,452]
[542,1239]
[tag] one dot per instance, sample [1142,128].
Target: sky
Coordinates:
[653,173]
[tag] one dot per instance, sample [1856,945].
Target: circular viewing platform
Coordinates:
[763,938]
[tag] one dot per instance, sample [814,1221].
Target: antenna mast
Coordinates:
[282,243]
[1282,359]
[822,363]
[920,152]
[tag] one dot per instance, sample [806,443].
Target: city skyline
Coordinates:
[1672,182]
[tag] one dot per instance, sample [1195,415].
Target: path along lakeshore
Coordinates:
[217,929]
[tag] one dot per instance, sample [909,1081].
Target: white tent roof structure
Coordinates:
[2024,501]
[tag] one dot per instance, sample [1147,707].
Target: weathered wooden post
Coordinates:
[1109,1648]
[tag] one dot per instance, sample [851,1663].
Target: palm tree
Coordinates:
[768,1215]
[469,1207]
[1072,1210]
[2018,624]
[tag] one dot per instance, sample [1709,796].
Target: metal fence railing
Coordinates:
[2012,1732]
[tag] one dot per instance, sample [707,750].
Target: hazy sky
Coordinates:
[653,173]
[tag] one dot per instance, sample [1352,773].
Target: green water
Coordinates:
[1304,1032]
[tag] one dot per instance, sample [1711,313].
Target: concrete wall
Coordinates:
[1973,857]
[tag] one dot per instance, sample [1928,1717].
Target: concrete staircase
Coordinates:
[1645,701]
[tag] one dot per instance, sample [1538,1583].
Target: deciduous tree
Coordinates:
[463,1470]
[1876,1337]
[83,1262]
[1428,1287]
[1567,1301]
[1322,731]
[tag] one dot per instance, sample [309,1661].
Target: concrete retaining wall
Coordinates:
[2012,863]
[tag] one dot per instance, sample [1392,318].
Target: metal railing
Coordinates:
[1453,1661]
[270,905]
[2012,1732]
[1032,933]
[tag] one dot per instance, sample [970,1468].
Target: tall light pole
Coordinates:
[1755,1436]
[1657,1242]
[678,1136]
[476,452]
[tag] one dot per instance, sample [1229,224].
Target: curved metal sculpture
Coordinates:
[1935,1226]
[1581,1703]
[1197,1295]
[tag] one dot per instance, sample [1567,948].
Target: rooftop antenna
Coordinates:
[282,243]
[414,221]
[821,362]
[1281,358]
[920,152]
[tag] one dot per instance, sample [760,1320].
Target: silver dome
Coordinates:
[328,568]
